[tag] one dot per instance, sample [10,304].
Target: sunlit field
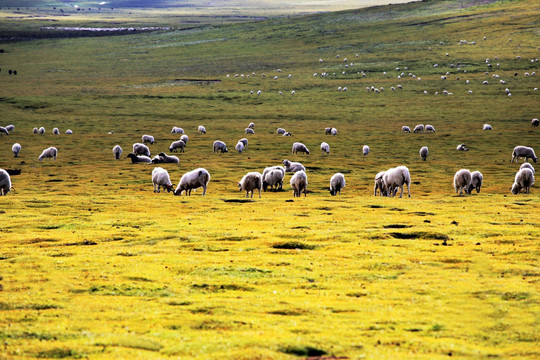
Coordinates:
[94,264]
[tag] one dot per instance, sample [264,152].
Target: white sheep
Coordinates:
[139,159]
[293,166]
[69,132]
[525,152]
[48,153]
[250,182]
[535,122]
[523,181]
[395,178]
[41,130]
[220,146]
[35,130]
[245,142]
[273,176]
[160,177]
[287,134]
[175,145]
[249,131]
[201,129]
[476,181]
[406,129]
[299,183]
[486,127]
[299,147]
[325,148]
[251,125]
[365,150]
[10,128]
[184,138]
[16,148]
[462,181]
[280,131]
[424,151]
[141,149]
[5,182]
[379,184]
[239,147]
[461,147]
[430,128]
[177,130]
[333,131]
[163,158]
[337,182]
[418,128]
[527,166]
[193,180]
[55,131]
[117,151]
[148,139]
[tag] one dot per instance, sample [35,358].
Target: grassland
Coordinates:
[93,264]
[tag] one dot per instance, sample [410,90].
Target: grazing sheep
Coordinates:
[365,150]
[175,145]
[239,147]
[10,128]
[219,146]
[527,166]
[424,152]
[299,147]
[325,148]
[3,130]
[525,152]
[430,128]
[418,128]
[117,151]
[5,182]
[141,149]
[193,180]
[139,159]
[333,131]
[250,182]
[48,153]
[251,125]
[337,182]
[462,181]
[379,184]
[476,181]
[163,158]
[55,131]
[41,130]
[327,131]
[280,131]
[69,132]
[461,147]
[201,129]
[35,130]
[273,176]
[177,130]
[16,148]
[523,181]
[487,127]
[160,177]
[245,142]
[287,134]
[395,178]
[406,129]
[299,183]
[148,139]
[293,166]
[249,131]
[184,138]
[535,122]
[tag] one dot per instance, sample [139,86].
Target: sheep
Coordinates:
[184,138]
[325,148]
[461,147]
[299,147]
[527,166]
[523,181]
[327,131]
[287,134]
[424,152]
[395,178]
[69,132]
[160,177]
[175,145]
[239,147]
[333,131]
[535,122]
[379,184]
[337,182]
[163,158]
[250,182]
[430,128]
[139,158]
[245,142]
[293,166]
[177,130]
[219,146]
[406,129]
[365,150]
[5,182]
[148,139]
[476,181]
[462,181]
[141,149]
[55,131]
[523,151]
[193,180]
[41,130]
[299,183]
[249,131]
[10,128]
[273,176]
[3,130]
[486,127]
[418,128]
[16,148]
[201,129]
[280,131]
[251,125]
[35,130]
[117,151]
[48,153]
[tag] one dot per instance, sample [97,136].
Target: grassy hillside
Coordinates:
[93,264]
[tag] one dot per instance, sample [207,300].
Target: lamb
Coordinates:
[462,181]
[55,131]
[273,176]
[461,147]
[184,138]
[5,182]
[327,131]
[219,146]
[476,181]
[527,166]
[48,153]
[41,130]
[379,184]
[193,180]
[333,131]
[325,148]
[117,151]
[406,129]
[249,131]
[201,129]
[430,128]
[177,130]
[163,158]
[239,147]
[299,147]
[139,159]
[69,132]
[486,127]
[523,181]
[280,131]
[245,142]
[175,145]
[523,151]
[535,122]
[251,125]
[365,150]
[424,152]
[337,182]
[10,128]
[397,177]
[299,183]
[35,130]
[293,166]
[141,149]
[418,128]
[16,148]
[160,177]
[148,139]
[250,182]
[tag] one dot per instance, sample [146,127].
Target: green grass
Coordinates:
[93,264]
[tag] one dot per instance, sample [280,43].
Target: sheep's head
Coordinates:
[307,151]
[239,187]
[514,189]
[332,192]
[265,185]
[169,188]
[535,159]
